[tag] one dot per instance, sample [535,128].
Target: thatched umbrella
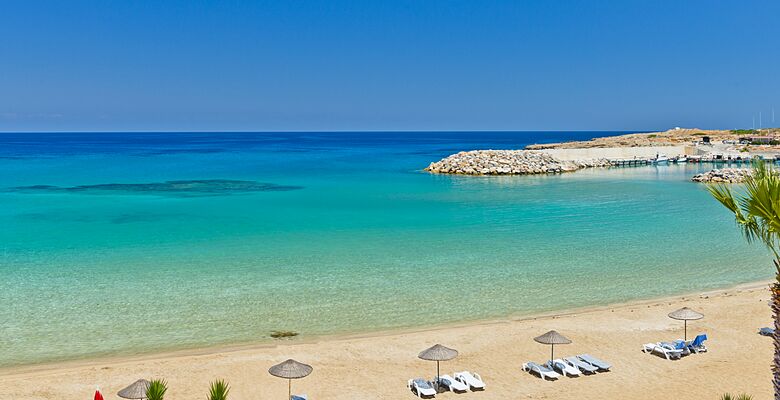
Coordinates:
[137,390]
[552,338]
[290,370]
[686,314]
[438,353]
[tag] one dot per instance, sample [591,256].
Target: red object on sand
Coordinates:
[98,395]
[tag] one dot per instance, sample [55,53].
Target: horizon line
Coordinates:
[347,131]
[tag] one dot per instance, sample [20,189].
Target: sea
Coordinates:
[116,244]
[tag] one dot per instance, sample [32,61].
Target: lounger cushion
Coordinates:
[422,384]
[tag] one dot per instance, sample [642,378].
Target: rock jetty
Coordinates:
[723,175]
[508,162]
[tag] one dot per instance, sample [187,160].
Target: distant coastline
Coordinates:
[674,144]
[756,139]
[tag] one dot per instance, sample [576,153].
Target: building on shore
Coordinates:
[762,139]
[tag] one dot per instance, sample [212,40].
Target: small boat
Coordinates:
[660,159]
[682,159]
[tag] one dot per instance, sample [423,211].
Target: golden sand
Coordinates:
[377,367]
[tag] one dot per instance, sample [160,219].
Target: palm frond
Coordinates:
[219,390]
[729,396]
[156,389]
[757,210]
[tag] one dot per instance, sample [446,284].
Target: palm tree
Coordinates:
[757,212]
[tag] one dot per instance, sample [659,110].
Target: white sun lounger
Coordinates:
[666,350]
[582,365]
[542,371]
[563,368]
[453,384]
[601,365]
[470,379]
[421,387]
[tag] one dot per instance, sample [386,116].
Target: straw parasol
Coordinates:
[137,390]
[686,314]
[290,370]
[552,338]
[438,353]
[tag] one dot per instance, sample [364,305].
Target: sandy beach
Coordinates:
[378,366]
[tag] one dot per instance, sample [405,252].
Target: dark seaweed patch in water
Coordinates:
[118,219]
[208,187]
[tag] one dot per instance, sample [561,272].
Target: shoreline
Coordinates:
[44,367]
[378,367]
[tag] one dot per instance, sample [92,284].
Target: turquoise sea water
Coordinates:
[326,233]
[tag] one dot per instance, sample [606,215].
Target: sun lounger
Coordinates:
[766,332]
[453,384]
[697,344]
[679,345]
[563,368]
[601,365]
[581,365]
[470,379]
[542,371]
[421,387]
[665,349]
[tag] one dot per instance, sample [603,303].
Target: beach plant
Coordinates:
[219,390]
[729,396]
[156,389]
[756,209]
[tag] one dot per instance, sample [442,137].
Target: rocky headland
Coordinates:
[671,137]
[508,162]
[723,175]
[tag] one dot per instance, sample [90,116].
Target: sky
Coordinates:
[387,65]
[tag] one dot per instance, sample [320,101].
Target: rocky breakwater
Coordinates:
[508,162]
[723,175]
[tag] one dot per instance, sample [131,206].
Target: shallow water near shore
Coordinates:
[133,243]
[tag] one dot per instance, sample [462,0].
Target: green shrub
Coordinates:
[744,131]
[157,389]
[771,142]
[219,390]
[652,136]
[729,396]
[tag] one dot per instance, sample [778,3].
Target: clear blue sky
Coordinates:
[387,65]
